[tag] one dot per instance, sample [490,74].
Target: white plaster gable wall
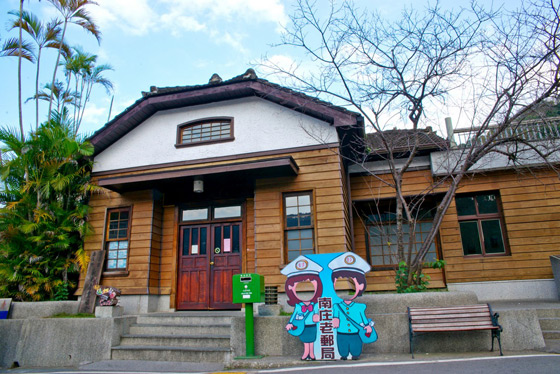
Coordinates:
[259,125]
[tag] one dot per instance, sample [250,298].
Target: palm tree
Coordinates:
[73,11]
[44,220]
[81,66]
[10,48]
[60,95]
[78,64]
[94,77]
[45,36]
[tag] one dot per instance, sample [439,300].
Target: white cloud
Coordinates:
[138,17]
[181,23]
[134,17]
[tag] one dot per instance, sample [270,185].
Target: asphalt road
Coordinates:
[513,364]
[525,364]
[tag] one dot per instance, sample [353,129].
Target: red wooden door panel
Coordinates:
[210,256]
[193,284]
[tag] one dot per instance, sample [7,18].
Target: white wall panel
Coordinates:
[259,125]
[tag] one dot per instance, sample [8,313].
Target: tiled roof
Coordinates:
[402,141]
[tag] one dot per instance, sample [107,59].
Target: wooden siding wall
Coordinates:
[321,172]
[140,238]
[249,257]
[531,208]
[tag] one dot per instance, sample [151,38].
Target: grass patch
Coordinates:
[77,315]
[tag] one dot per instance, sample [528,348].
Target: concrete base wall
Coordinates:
[59,341]
[533,289]
[23,310]
[141,304]
[389,312]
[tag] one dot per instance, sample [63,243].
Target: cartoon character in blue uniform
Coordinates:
[303,322]
[353,327]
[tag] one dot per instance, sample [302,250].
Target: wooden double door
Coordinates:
[210,255]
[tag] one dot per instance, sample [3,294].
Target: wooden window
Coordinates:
[298,225]
[117,239]
[382,241]
[205,131]
[481,224]
[381,231]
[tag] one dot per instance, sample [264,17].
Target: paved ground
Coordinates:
[381,363]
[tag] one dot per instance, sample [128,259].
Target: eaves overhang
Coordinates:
[274,167]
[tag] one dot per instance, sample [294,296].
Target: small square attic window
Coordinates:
[210,130]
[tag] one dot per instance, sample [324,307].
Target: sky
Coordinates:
[158,43]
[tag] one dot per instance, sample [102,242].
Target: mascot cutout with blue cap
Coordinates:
[330,327]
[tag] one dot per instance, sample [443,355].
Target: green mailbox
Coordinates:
[248,288]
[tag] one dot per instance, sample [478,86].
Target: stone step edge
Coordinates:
[167,336]
[177,325]
[168,348]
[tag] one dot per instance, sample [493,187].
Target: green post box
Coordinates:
[248,288]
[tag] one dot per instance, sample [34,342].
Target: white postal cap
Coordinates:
[301,265]
[349,261]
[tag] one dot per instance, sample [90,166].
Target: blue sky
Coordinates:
[161,43]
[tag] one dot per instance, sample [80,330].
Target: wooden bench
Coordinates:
[455,318]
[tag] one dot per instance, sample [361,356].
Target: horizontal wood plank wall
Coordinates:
[249,251]
[136,282]
[320,172]
[531,207]
[369,188]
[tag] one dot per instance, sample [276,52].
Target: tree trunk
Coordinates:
[56,66]
[20,50]
[37,90]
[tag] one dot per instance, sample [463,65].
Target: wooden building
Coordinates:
[203,182]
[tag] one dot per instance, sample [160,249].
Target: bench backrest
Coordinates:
[454,318]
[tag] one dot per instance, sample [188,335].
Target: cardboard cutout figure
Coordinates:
[350,320]
[303,322]
[329,326]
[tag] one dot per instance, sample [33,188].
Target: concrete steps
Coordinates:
[181,337]
[549,320]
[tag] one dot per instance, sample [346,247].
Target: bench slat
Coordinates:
[454,311]
[450,325]
[463,307]
[460,328]
[456,315]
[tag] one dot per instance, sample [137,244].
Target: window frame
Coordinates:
[106,240]
[287,229]
[437,244]
[179,138]
[478,218]
[211,206]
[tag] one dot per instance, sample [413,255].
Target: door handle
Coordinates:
[211,263]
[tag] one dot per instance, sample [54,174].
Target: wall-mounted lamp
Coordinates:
[198,185]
